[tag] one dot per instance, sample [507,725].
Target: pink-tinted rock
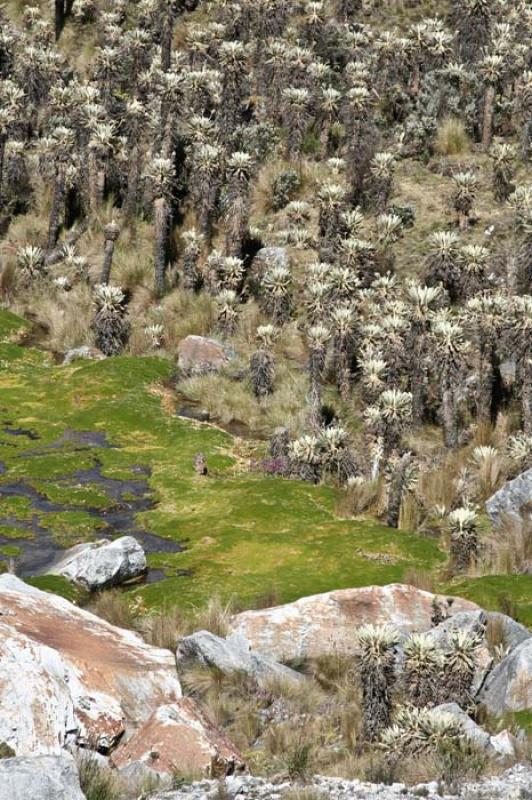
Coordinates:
[180,738]
[69,676]
[325,623]
[198,355]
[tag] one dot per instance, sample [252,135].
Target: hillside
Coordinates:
[265,333]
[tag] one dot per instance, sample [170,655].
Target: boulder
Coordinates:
[504,744]
[179,738]
[69,677]
[83,353]
[321,624]
[99,565]
[514,499]
[198,355]
[40,778]
[230,655]
[509,685]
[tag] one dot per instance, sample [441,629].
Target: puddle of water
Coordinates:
[129,496]
[20,432]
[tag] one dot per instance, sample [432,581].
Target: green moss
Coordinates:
[60,586]
[523,719]
[71,527]
[245,534]
[10,550]
[11,325]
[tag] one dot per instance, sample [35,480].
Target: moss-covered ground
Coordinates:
[245,535]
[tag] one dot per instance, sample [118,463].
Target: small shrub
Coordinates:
[214,617]
[284,187]
[452,138]
[6,751]
[97,783]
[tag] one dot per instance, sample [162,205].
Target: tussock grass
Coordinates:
[452,138]
[97,783]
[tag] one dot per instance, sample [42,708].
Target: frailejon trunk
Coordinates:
[3,139]
[449,416]
[132,184]
[108,251]
[487,123]
[59,17]
[58,204]
[160,210]
[526,396]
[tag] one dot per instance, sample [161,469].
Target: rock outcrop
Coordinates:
[325,623]
[514,499]
[179,737]
[230,655]
[199,355]
[40,778]
[102,564]
[509,685]
[67,676]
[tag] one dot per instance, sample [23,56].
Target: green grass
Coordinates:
[245,535]
[60,586]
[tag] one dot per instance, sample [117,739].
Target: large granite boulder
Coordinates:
[102,564]
[181,735]
[199,355]
[69,677]
[509,685]
[514,500]
[230,655]
[40,778]
[325,623]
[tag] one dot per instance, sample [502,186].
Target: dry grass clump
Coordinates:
[358,497]
[452,138]
[509,550]
[114,606]
[229,400]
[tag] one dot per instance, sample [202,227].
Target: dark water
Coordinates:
[128,497]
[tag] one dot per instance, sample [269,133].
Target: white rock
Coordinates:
[40,778]
[504,744]
[230,655]
[99,565]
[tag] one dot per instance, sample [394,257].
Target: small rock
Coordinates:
[83,353]
[200,464]
[199,355]
[504,744]
[99,565]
